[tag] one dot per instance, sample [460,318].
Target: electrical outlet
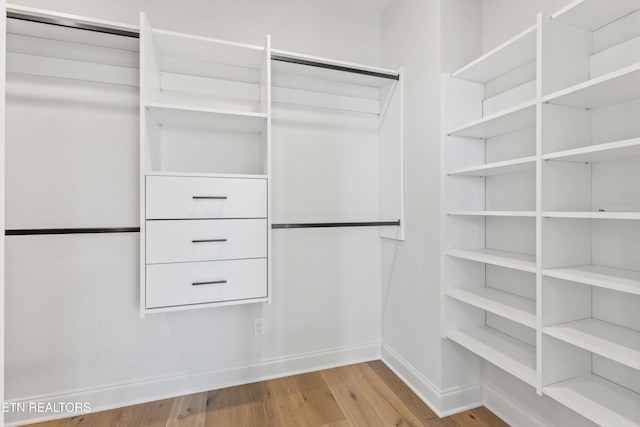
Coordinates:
[259,326]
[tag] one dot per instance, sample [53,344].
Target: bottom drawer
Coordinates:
[205,282]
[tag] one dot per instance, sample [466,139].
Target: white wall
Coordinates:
[75,331]
[411,305]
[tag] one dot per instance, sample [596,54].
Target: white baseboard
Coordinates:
[508,409]
[443,403]
[148,390]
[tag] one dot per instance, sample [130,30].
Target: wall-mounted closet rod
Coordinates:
[337,224]
[70,23]
[44,231]
[281,58]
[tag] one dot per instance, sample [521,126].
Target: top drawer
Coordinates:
[174,197]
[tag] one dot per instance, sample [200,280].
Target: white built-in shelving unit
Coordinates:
[205,171]
[541,265]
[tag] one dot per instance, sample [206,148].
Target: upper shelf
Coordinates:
[593,14]
[510,55]
[613,88]
[519,117]
[206,118]
[205,49]
[618,150]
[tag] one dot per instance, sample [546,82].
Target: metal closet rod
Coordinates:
[49,231]
[337,224]
[281,58]
[72,24]
[51,20]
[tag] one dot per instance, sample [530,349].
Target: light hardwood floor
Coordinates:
[365,394]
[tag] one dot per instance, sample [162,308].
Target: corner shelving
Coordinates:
[541,203]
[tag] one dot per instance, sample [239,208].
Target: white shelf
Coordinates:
[513,307]
[498,168]
[500,258]
[606,339]
[515,357]
[602,277]
[492,213]
[171,115]
[593,215]
[618,86]
[599,400]
[205,49]
[617,150]
[519,117]
[510,55]
[591,15]
[206,175]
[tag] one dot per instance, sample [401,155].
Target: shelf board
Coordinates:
[179,116]
[599,400]
[618,150]
[606,339]
[618,86]
[593,215]
[602,277]
[206,175]
[518,117]
[498,168]
[492,213]
[500,258]
[591,15]
[510,55]
[513,307]
[205,49]
[515,357]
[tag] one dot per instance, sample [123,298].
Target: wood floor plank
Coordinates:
[303,400]
[246,405]
[408,397]
[188,411]
[355,406]
[441,422]
[387,404]
[479,417]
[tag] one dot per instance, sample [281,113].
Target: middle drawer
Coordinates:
[205,240]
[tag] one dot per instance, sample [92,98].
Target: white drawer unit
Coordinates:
[180,197]
[205,240]
[171,285]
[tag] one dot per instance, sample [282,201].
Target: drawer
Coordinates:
[174,197]
[205,240]
[205,282]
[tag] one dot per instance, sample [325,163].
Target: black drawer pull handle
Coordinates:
[208,240]
[213,282]
[210,197]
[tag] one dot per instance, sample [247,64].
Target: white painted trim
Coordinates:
[147,390]
[442,402]
[509,410]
